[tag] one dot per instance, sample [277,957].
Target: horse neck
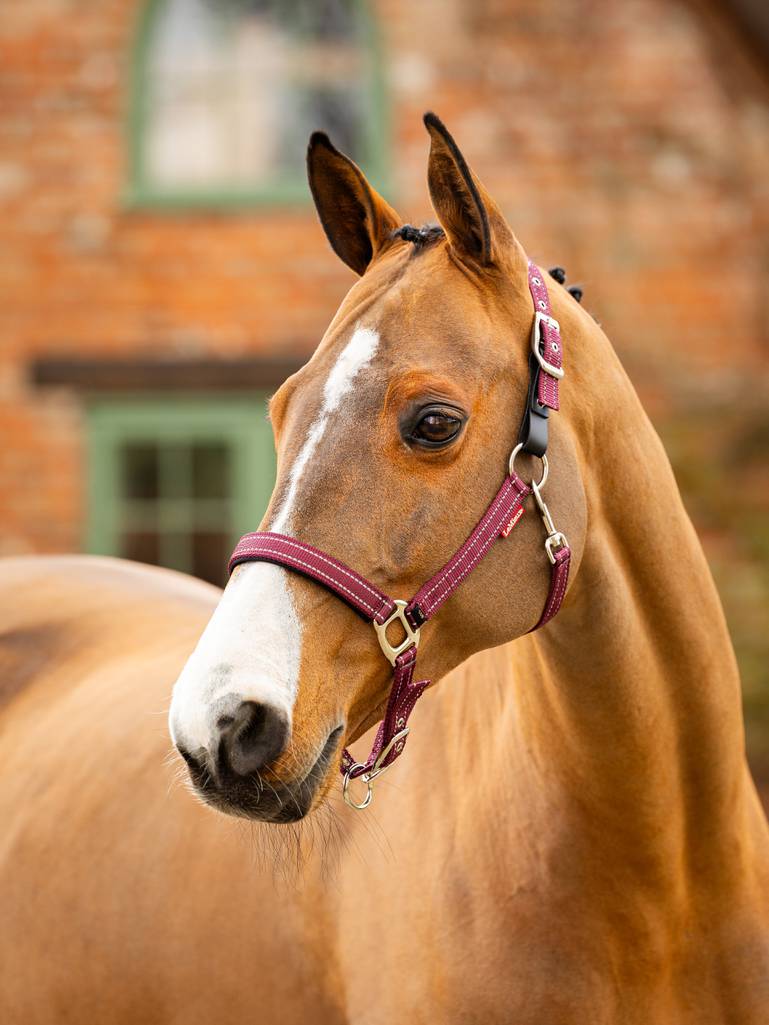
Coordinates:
[625,711]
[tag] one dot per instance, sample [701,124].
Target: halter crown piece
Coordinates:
[506,509]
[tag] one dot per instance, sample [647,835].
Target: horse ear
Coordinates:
[474,224]
[357,221]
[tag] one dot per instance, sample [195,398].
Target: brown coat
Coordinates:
[572,835]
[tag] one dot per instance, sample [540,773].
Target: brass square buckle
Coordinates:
[391,652]
[549,368]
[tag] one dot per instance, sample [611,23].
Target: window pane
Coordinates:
[210,554]
[142,546]
[325,19]
[236,86]
[211,471]
[175,475]
[140,470]
[330,108]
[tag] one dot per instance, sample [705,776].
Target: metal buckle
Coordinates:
[549,368]
[555,539]
[412,634]
[377,769]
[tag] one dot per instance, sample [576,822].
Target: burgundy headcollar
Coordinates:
[506,509]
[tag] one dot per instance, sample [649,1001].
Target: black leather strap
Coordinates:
[533,433]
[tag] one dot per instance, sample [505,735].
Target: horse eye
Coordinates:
[436,427]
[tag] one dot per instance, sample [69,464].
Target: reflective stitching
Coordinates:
[472,551]
[468,546]
[558,581]
[308,550]
[263,550]
[556,597]
[547,386]
[452,584]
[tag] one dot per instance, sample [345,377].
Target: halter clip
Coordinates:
[377,769]
[555,539]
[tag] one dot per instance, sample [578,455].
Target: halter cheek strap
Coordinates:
[382,611]
[497,522]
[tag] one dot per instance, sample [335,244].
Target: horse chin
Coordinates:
[263,796]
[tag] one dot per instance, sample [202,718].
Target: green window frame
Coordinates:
[175,425]
[289,191]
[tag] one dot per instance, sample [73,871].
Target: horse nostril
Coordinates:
[255,736]
[191,761]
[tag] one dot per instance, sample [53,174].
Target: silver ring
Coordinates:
[348,799]
[545,467]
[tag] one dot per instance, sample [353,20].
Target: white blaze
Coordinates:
[251,648]
[357,354]
[249,651]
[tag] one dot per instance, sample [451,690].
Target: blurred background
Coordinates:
[162,271]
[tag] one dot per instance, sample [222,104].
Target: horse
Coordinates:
[571,835]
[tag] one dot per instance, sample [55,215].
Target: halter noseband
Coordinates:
[545,371]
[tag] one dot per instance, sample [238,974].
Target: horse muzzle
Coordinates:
[239,775]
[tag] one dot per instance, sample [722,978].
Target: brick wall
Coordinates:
[627,141]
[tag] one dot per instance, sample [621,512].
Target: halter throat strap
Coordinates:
[382,611]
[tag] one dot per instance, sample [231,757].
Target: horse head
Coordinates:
[391,442]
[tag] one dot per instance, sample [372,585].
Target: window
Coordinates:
[228,91]
[175,482]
